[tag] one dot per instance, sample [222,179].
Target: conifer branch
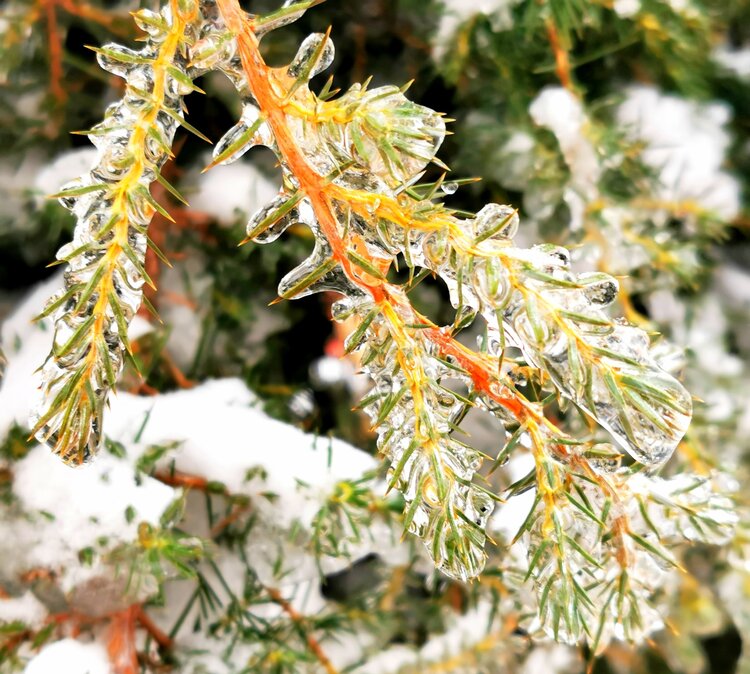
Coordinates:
[106,257]
[585,388]
[360,231]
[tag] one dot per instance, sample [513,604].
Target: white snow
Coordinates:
[186,289]
[63,169]
[15,175]
[552,659]
[518,160]
[705,335]
[467,632]
[682,7]
[464,632]
[222,437]
[458,12]
[627,8]
[139,327]
[686,143]
[69,656]
[26,344]
[228,191]
[736,61]
[733,283]
[219,433]
[26,609]
[333,371]
[558,110]
[508,517]
[76,508]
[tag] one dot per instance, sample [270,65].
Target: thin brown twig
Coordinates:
[90,13]
[160,637]
[55,52]
[237,512]
[299,620]
[178,479]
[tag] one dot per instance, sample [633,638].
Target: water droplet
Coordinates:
[238,139]
[436,249]
[342,309]
[150,22]
[604,458]
[482,505]
[449,188]
[559,256]
[69,202]
[272,220]
[599,288]
[496,221]
[212,51]
[303,66]
[492,283]
[118,60]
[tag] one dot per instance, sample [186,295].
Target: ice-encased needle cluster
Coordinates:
[105,273]
[416,413]
[605,587]
[371,145]
[532,300]
[374,141]
[366,150]
[377,141]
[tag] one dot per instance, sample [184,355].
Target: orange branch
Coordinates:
[144,620]
[88,12]
[177,479]
[55,53]
[121,646]
[238,511]
[562,61]
[259,77]
[479,368]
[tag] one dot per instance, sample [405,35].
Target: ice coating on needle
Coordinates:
[532,300]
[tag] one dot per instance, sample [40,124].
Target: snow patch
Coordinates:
[26,609]
[63,169]
[457,12]
[686,143]
[558,110]
[627,8]
[226,192]
[736,61]
[26,343]
[70,656]
[76,508]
